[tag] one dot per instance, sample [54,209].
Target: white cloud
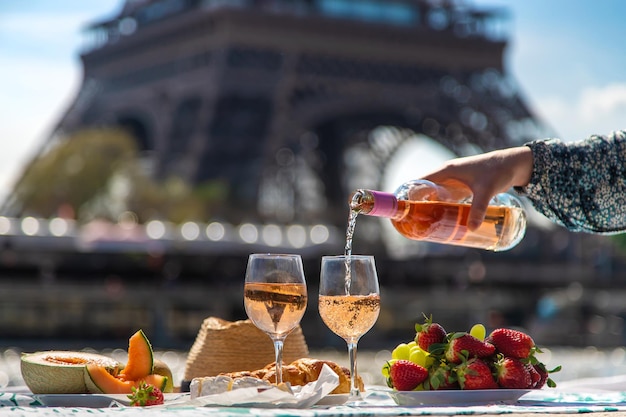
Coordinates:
[596,102]
[28,119]
[595,110]
[58,28]
[39,75]
[38,78]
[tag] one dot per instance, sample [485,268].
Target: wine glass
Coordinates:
[349,302]
[275,297]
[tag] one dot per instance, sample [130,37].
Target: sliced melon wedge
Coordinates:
[99,381]
[60,371]
[140,357]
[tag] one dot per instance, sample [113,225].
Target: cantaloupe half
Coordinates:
[61,371]
[99,381]
[140,357]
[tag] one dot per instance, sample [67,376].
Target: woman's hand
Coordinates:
[487,175]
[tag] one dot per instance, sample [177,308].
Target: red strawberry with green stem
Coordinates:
[475,374]
[464,345]
[429,333]
[512,343]
[544,374]
[512,373]
[535,376]
[405,375]
[146,394]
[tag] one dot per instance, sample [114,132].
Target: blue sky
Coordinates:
[568,57]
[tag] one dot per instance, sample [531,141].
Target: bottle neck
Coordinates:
[374,203]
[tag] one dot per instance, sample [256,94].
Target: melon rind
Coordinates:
[92,388]
[45,377]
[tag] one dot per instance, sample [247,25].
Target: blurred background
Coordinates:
[150,145]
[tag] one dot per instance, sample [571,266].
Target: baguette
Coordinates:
[301,372]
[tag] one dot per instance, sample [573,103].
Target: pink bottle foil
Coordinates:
[385,204]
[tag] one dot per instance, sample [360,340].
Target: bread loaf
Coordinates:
[301,372]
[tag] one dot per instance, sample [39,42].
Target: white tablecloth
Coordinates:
[583,396]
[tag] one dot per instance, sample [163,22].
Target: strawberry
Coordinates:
[464,345]
[405,375]
[475,374]
[512,373]
[429,333]
[146,394]
[535,376]
[512,343]
[543,376]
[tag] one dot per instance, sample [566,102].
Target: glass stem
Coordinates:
[278,350]
[354,388]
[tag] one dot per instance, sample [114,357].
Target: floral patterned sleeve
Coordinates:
[581,185]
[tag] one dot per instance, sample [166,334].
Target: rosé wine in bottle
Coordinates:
[422,210]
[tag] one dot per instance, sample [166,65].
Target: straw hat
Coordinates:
[224,346]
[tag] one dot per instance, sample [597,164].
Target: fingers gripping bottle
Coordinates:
[423,210]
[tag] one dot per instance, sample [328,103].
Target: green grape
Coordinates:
[401,351]
[387,367]
[478,331]
[418,356]
[412,344]
[421,357]
[430,360]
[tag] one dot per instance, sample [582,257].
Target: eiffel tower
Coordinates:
[285,101]
[293,104]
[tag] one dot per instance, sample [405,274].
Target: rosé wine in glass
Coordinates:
[349,302]
[275,297]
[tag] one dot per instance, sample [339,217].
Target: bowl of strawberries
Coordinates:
[465,367]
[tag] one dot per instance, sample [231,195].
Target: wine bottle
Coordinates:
[425,211]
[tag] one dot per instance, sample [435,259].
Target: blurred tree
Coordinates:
[173,200]
[73,171]
[97,173]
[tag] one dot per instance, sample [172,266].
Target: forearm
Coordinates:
[520,162]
